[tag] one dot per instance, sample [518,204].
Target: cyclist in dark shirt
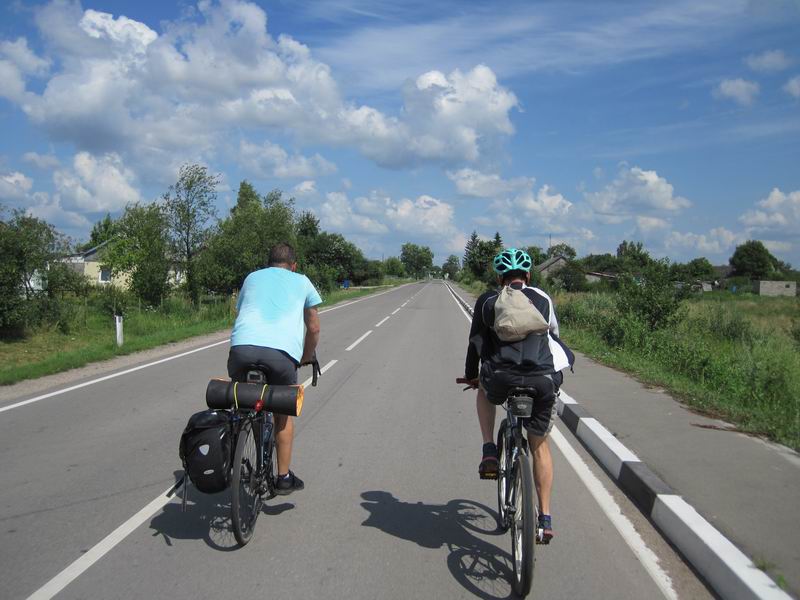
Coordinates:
[536,361]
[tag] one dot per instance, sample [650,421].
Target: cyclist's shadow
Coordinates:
[482,568]
[207,517]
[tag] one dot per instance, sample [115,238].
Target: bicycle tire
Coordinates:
[522,526]
[245,496]
[502,477]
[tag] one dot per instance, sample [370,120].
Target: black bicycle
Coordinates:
[516,502]
[517,507]
[254,465]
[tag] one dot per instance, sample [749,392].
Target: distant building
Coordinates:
[89,263]
[551,265]
[722,272]
[596,276]
[775,288]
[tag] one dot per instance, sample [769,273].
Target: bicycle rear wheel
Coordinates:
[245,492]
[522,526]
[502,477]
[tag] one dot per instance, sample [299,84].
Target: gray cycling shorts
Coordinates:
[496,384]
[278,366]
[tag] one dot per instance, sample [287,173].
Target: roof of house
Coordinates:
[87,254]
[550,262]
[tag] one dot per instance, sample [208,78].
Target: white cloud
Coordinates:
[270,160]
[14,186]
[424,216]
[740,90]
[648,224]
[718,241]
[50,210]
[23,57]
[470,182]
[779,212]
[152,97]
[770,60]
[635,192]
[96,184]
[305,188]
[336,213]
[792,87]
[42,161]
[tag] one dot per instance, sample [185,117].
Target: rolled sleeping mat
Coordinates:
[281,399]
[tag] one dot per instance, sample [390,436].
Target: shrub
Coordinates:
[652,297]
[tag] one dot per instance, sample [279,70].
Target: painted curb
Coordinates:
[727,569]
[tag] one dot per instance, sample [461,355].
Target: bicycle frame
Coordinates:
[515,441]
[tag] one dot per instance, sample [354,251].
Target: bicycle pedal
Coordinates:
[492,476]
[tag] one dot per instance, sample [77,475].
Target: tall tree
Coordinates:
[451,266]
[562,249]
[752,259]
[632,256]
[102,231]
[189,204]
[498,241]
[247,196]
[307,224]
[141,250]
[416,259]
[394,267]
[538,256]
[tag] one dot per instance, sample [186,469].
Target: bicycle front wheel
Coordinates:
[522,525]
[245,493]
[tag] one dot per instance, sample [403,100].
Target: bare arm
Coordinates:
[311,318]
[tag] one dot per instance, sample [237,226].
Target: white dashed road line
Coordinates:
[357,342]
[383,321]
[396,309]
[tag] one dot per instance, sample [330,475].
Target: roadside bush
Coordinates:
[112,300]
[652,297]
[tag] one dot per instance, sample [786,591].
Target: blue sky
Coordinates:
[672,123]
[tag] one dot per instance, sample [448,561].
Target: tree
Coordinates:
[102,231]
[632,256]
[753,260]
[469,251]
[307,225]
[242,241]
[700,269]
[331,259]
[141,250]
[189,204]
[562,249]
[417,260]
[601,263]
[498,241]
[652,297]
[451,266]
[572,277]
[538,256]
[394,267]
[246,197]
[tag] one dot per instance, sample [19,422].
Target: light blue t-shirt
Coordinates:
[270,310]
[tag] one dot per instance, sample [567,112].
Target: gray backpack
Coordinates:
[516,317]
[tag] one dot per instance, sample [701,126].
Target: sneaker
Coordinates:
[489,464]
[286,485]
[544,532]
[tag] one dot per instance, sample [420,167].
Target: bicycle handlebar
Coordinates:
[472,384]
[316,371]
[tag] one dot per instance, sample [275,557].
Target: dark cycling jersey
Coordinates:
[538,354]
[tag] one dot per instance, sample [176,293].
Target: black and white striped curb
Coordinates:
[726,568]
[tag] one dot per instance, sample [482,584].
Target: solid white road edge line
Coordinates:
[357,342]
[73,571]
[383,321]
[461,308]
[608,505]
[646,556]
[107,377]
[168,358]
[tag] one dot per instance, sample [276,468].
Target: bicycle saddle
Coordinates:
[522,391]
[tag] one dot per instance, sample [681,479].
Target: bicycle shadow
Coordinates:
[207,518]
[479,566]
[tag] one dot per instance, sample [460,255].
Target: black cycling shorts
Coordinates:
[278,366]
[497,383]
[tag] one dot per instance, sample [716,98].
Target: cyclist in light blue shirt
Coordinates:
[276,329]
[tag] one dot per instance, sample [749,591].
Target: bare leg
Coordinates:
[284,433]
[486,416]
[542,470]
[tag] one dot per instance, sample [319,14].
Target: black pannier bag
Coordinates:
[206,448]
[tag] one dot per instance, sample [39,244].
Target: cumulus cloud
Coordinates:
[635,193]
[49,209]
[23,57]
[648,224]
[718,241]
[42,161]
[96,184]
[270,160]
[337,213]
[792,87]
[740,90]
[150,96]
[771,60]
[470,182]
[305,188]
[779,212]
[14,186]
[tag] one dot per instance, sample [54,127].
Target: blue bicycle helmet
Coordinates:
[512,259]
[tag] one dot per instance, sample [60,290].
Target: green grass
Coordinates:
[725,357]
[92,337]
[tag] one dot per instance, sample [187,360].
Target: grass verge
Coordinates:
[49,351]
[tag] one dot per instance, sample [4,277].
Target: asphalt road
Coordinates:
[388,446]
